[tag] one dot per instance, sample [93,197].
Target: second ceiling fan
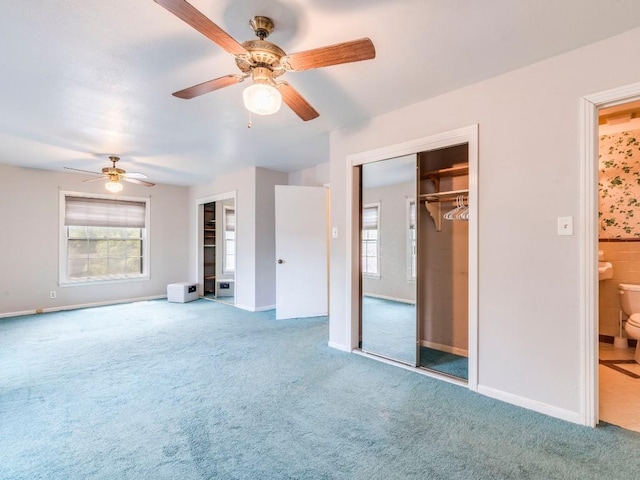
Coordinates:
[264,62]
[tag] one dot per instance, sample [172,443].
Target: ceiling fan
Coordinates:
[114,175]
[264,61]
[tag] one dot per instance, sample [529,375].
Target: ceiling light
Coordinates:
[113,186]
[262,99]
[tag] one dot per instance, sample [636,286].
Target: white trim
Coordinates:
[432,142]
[529,404]
[255,309]
[468,135]
[81,305]
[445,348]
[589,106]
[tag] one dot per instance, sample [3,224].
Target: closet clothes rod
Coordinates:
[443,196]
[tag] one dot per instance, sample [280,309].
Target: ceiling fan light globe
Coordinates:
[113,187]
[262,99]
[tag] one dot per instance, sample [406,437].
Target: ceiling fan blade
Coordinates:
[136,175]
[83,171]
[101,177]
[347,52]
[136,181]
[209,86]
[193,17]
[296,102]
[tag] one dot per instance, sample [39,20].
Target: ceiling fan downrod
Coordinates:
[262,26]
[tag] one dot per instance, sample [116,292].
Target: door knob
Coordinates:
[280,260]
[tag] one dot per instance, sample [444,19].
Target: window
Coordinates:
[411,240]
[103,238]
[229,223]
[371,240]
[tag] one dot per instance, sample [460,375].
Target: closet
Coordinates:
[414,260]
[443,259]
[209,249]
[219,250]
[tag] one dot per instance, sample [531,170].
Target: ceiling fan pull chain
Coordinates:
[249,124]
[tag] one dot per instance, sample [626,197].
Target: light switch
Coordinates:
[334,232]
[565,225]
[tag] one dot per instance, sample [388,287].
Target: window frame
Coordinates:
[362,243]
[63,280]
[225,268]
[412,242]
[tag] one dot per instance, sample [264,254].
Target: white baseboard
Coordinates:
[561,413]
[245,307]
[445,348]
[386,297]
[264,309]
[255,309]
[80,305]
[339,346]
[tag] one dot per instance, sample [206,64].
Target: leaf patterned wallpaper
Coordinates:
[619,185]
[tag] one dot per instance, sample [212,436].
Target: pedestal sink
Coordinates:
[605,270]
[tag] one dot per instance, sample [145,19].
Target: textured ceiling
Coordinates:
[82,80]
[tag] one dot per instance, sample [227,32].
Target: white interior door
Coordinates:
[301,251]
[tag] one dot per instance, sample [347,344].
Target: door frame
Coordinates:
[468,135]
[199,209]
[589,288]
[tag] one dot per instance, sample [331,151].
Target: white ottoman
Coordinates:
[182,292]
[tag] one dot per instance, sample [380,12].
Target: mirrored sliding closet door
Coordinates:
[388,259]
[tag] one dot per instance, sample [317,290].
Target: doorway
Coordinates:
[217,238]
[596,386]
[618,262]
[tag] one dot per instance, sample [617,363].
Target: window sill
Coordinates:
[101,281]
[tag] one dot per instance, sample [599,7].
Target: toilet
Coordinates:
[630,303]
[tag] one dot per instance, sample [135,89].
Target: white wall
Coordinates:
[529,174]
[255,223]
[266,180]
[29,208]
[316,176]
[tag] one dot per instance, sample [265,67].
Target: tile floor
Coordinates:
[619,393]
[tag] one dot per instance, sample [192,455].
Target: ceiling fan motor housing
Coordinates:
[262,54]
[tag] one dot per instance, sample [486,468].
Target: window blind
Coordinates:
[370,218]
[230,220]
[103,212]
[412,214]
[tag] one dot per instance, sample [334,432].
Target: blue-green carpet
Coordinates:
[160,390]
[389,329]
[444,362]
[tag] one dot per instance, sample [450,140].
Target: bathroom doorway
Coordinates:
[618,262]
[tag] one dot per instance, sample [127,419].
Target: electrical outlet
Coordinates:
[53,294]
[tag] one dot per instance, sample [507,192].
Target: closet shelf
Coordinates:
[443,196]
[456,171]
